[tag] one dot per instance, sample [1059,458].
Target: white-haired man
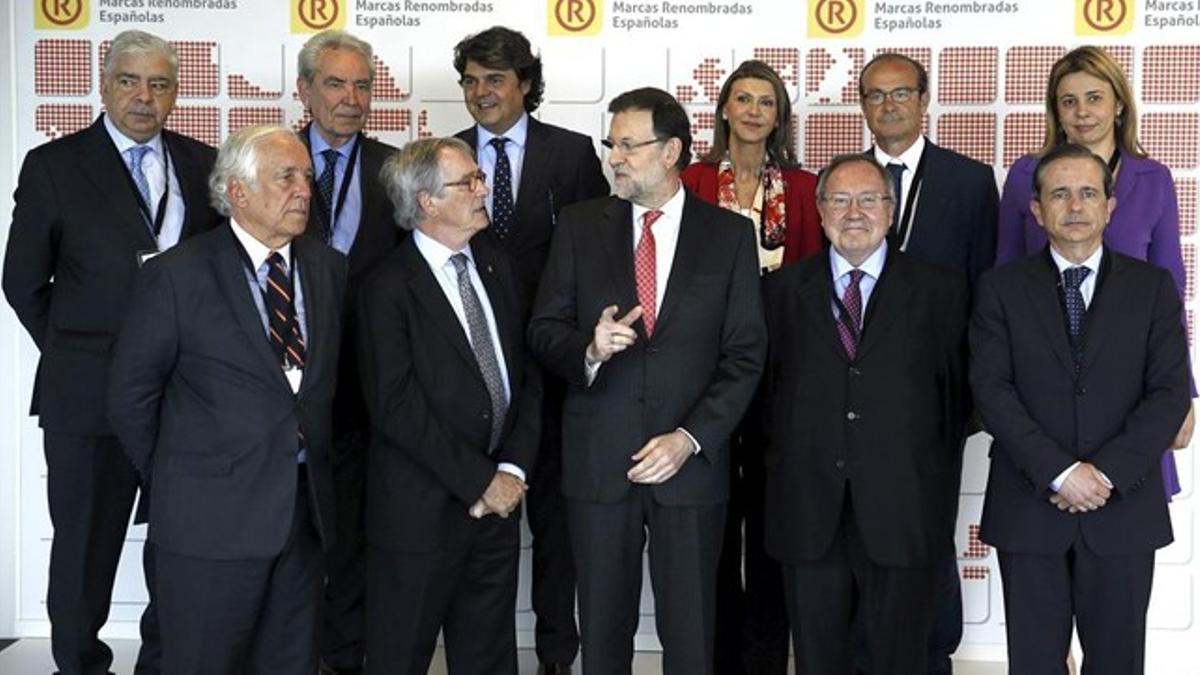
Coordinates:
[220,392]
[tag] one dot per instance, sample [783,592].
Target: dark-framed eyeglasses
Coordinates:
[898,95]
[472,181]
[627,147]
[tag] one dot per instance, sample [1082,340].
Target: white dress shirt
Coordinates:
[437,256]
[872,267]
[910,158]
[153,166]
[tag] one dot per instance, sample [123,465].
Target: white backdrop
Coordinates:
[987,60]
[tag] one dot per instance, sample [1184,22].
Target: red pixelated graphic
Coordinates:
[199,66]
[829,134]
[1023,134]
[62,67]
[1189,266]
[1171,74]
[975,573]
[389,120]
[202,123]
[56,120]
[1172,138]
[967,75]
[1185,192]
[386,88]
[824,71]
[241,88]
[971,134]
[785,61]
[1025,73]
[423,125]
[703,123]
[976,549]
[240,118]
[710,75]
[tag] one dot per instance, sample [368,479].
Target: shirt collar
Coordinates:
[435,252]
[910,157]
[872,266]
[318,143]
[672,209]
[258,251]
[515,134]
[1092,263]
[124,142]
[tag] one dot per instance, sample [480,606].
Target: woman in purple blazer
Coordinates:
[1089,101]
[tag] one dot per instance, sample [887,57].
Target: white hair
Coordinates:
[237,159]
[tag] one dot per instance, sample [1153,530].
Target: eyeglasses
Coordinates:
[898,95]
[471,182]
[866,200]
[625,146]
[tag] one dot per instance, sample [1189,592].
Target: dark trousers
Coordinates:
[684,544]
[244,617]
[91,488]
[342,641]
[752,626]
[1107,596]
[553,594]
[468,590]
[823,596]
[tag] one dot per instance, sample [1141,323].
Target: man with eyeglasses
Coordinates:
[90,208]
[455,404]
[351,213]
[945,213]
[534,170]
[866,401]
[650,310]
[1079,365]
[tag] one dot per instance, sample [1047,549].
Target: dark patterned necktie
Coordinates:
[284,327]
[502,196]
[325,192]
[849,323]
[897,171]
[1073,299]
[481,345]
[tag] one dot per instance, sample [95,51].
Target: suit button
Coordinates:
[486,414]
[855,372]
[1080,391]
[852,415]
[651,350]
[840,464]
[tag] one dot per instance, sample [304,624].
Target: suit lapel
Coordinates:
[888,301]
[373,199]
[1101,321]
[689,248]
[431,298]
[105,167]
[1041,287]
[615,235]
[816,296]
[532,166]
[192,184]
[315,283]
[498,294]
[231,275]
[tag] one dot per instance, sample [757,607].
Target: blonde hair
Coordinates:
[1095,62]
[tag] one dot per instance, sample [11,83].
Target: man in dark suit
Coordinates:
[351,213]
[542,169]
[945,214]
[221,386]
[866,403]
[454,399]
[90,208]
[1080,368]
[650,310]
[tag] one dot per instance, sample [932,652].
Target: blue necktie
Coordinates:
[135,156]
[325,190]
[1072,279]
[897,171]
[502,197]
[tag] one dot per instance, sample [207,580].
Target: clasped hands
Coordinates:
[502,495]
[1085,489]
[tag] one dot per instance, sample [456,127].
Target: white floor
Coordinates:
[32,657]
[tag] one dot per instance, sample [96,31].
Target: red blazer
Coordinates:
[800,191]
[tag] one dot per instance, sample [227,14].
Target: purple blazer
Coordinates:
[1145,225]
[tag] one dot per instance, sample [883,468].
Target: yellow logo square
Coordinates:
[314,16]
[60,14]
[574,18]
[835,18]
[1103,17]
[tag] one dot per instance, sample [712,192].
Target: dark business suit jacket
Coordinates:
[377,235]
[203,409]
[560,168]
[1125,406]
[954,223]
[886,426]
[71,260]
[428,459]
[698,371]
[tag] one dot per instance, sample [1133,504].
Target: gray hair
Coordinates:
[842,160]
[137,42]
[310,53]
[237,159]
[414,169]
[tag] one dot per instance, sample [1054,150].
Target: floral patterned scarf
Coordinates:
[770,213]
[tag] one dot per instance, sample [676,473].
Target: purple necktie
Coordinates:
[849,323]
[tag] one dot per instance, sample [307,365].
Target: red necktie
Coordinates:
[644,269]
